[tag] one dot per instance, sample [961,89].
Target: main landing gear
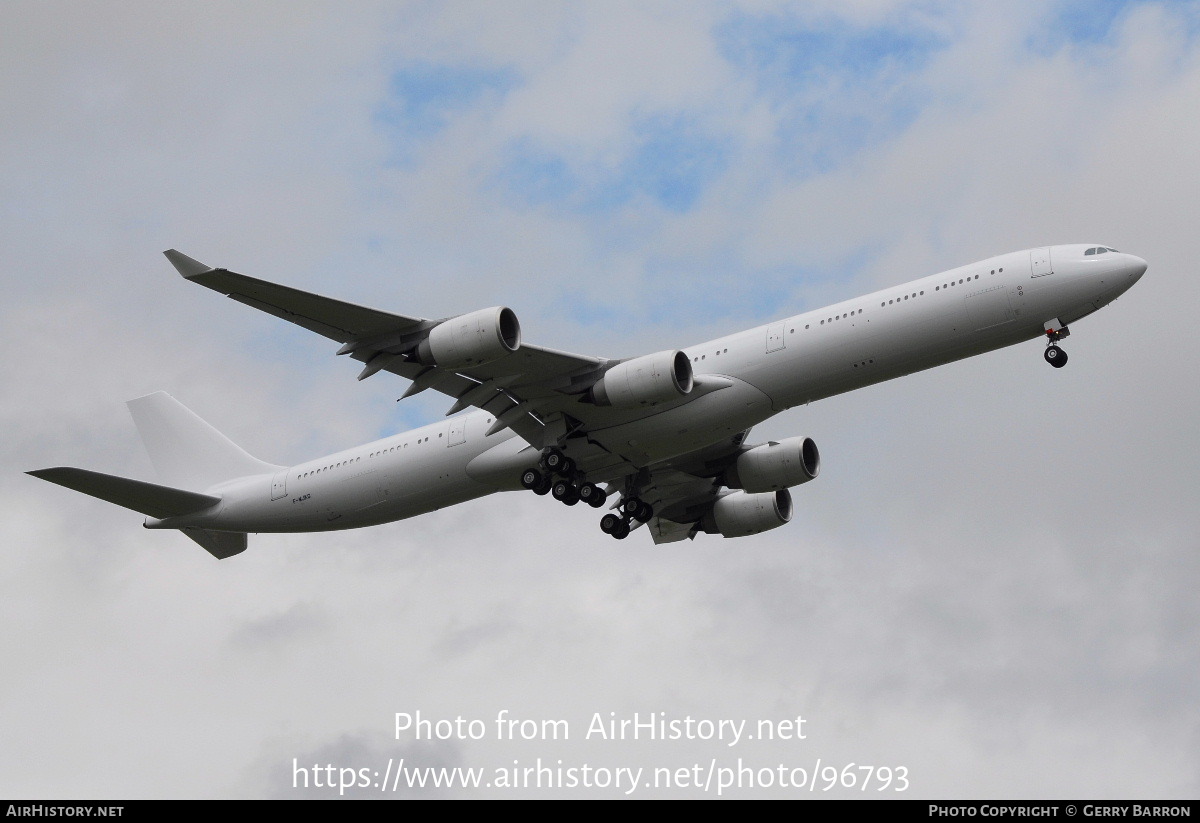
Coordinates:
[557,476]
[619,525]
[570,488]
[1055,356]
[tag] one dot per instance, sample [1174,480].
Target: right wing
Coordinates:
[525,391]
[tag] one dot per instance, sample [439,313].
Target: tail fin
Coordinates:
[186,451]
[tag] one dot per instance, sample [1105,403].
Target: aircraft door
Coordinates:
[279,485]
[1039,262]
[458,432]
[775,337]
[989,307]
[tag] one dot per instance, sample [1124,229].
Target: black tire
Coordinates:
[564,491]
[621,530]
[544,486]
[630,506]
[556,461]
[531,479]
[591,494]
[1055,356]
[645,511]
[609,522]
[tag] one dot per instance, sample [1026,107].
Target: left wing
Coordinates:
[730,489]
[526,390]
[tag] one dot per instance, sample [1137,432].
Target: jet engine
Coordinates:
[740,514]
[471,339]
[776,465]
[645,381]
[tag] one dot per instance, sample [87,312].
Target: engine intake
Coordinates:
[645,381]
[740,514]
[471,339]
[774,466]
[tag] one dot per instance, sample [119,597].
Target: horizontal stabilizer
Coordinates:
[219,544]
[148,498]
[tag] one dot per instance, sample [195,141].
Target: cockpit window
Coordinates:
[1089,251]
[1098,250]
[1114,250]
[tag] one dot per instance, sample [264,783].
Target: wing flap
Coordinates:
[668,531]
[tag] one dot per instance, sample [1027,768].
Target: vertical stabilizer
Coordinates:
[187,452]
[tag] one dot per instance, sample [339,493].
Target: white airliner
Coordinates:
[663,434]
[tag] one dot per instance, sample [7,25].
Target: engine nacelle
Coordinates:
[774,466]
[741,514]
[471,339]
[645,381]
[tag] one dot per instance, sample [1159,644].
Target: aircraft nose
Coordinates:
[1135,267]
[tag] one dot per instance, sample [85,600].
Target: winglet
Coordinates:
[185,265]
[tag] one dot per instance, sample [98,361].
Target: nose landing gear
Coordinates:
[1055,356]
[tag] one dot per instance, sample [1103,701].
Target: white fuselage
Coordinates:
[928,322]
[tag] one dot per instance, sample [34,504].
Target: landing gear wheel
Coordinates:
[615,525]
[531,479]
[544,486]
[637,509]
[1055,356]
[565,492]
[591,494]
[559,463]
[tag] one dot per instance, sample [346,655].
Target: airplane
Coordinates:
[663,434]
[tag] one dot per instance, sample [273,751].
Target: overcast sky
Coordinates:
[991,584]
